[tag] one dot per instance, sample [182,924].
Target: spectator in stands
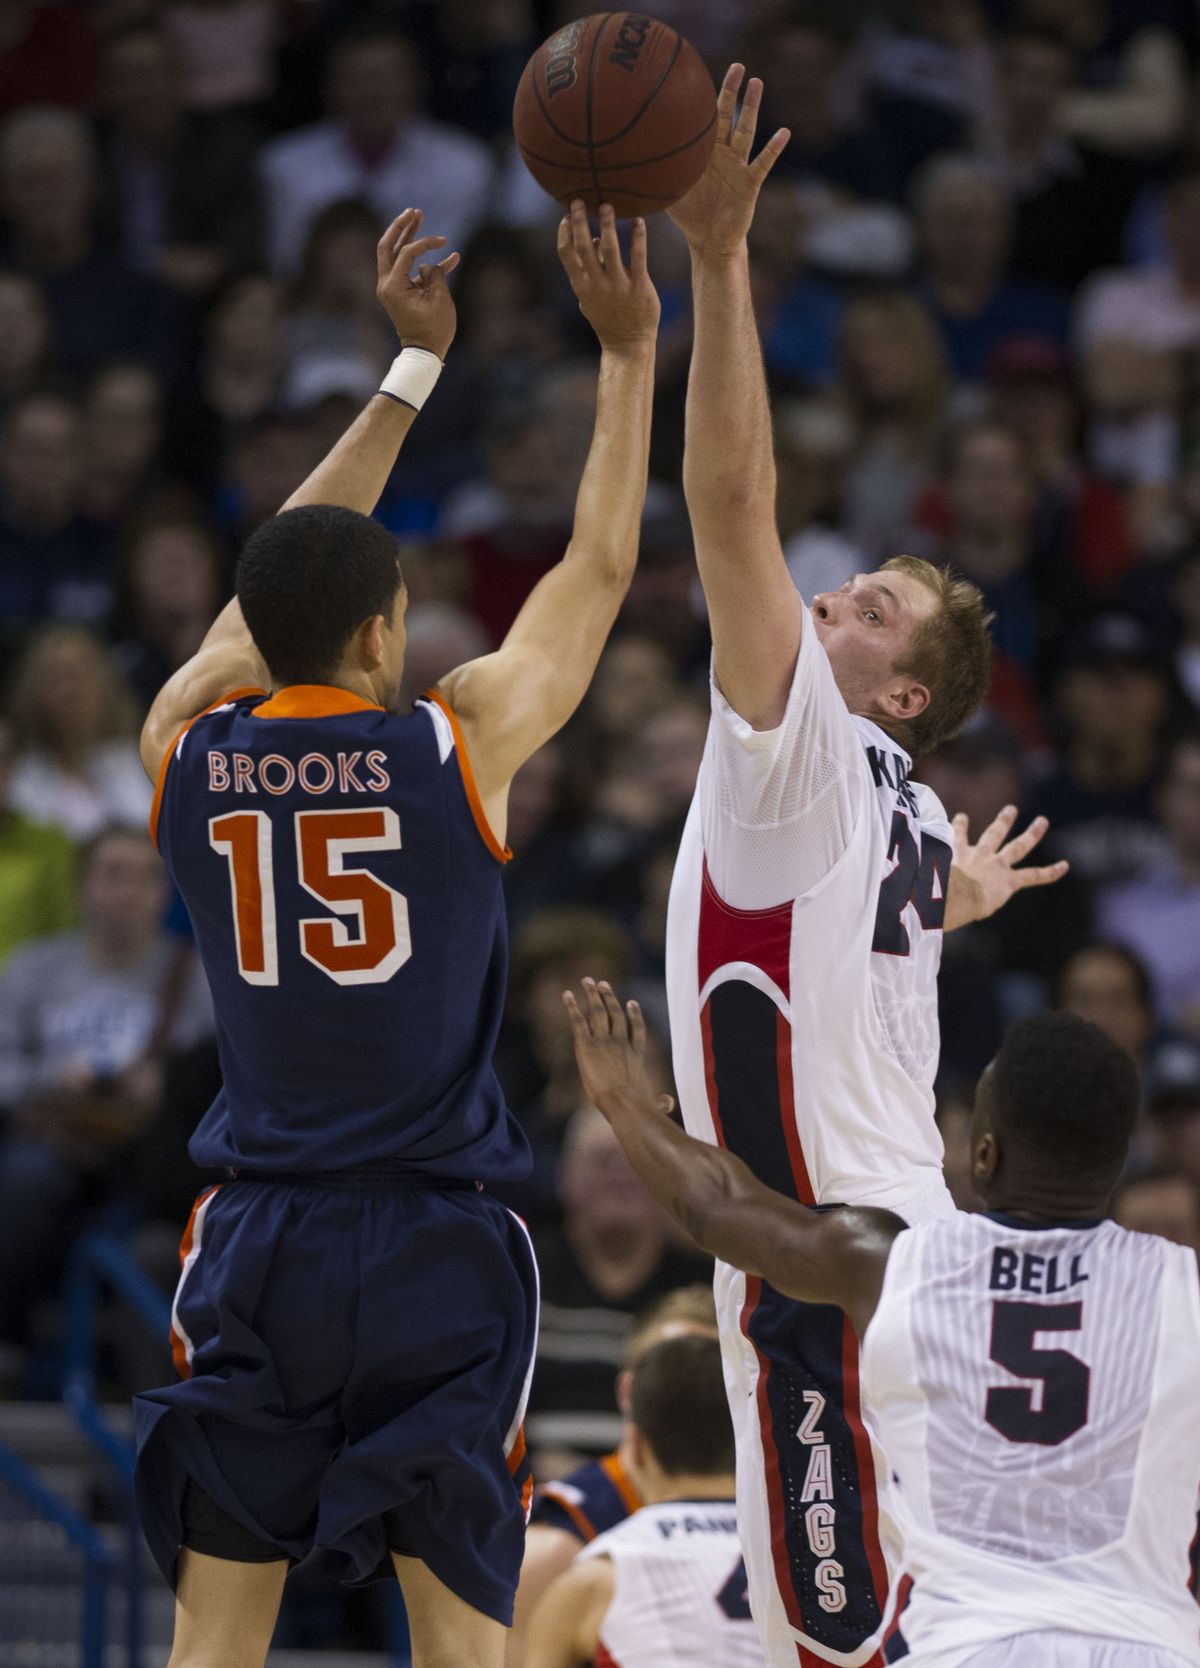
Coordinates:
[1158,913]
[56,563]
[75,721]
[331,308]
[964,219]
[24,337]
[814,444]
[170,582]
[47,54]
[537,1060]
[612,1256]
[123,432]
[896,384]
[938,51]
[267,460]
[86,1021]
[1133,96]
[242,364]
[1157,309]
[1112,705]
[375,144]
[1070,203]
[1173,1101]
[229,50]
[1161,1201]
[1079,514]
[183,188]
[1110,986]
[100,309]
[438,637]
[650,783]
[37,867]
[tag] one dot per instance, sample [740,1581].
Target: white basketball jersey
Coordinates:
[1038,1396]
[679,1595]
[803,943]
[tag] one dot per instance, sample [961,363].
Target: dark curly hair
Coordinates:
[1063,1090]
[307,580]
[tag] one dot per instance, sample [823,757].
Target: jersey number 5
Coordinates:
[1058,1406]
[364,949]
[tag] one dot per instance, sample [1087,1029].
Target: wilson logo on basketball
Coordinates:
[630,39]
[560,59]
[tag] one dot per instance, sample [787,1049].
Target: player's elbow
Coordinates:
[610,563]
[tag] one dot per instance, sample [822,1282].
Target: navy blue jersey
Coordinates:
[587,1502]
[345,892]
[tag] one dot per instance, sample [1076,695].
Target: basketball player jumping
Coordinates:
[813,885]
[356,1319]
[1034,1372]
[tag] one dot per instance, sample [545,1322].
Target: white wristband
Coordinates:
[413,377]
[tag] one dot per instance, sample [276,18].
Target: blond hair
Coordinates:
[951,654]
[686,1309]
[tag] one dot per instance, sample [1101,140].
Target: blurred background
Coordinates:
[977,273]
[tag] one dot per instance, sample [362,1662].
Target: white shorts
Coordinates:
[1058,1650]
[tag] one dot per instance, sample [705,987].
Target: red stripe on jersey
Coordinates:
[852,1409]
[604,1657]
[787,1111]
[762,937]
[904,1593]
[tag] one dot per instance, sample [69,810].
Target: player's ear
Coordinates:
[624,1390]
[985,1161]
[907,699]
[371,638]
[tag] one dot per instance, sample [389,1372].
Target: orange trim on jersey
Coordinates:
[587,1529]
[517,1452]
[619,1478]
[178,1347]
[314,700]
[501,853]
[223,700]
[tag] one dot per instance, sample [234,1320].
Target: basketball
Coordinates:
[616,108]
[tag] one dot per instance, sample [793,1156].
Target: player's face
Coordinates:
[867,629]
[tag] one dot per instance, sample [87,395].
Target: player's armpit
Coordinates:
[565,1628]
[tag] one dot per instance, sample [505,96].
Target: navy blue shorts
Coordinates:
[350,1353]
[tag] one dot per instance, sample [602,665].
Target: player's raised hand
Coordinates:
[618,301]
[416,298]
[987,873]
[715,214]
[610,1047]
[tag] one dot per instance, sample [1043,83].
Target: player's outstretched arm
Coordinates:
[728,462]
[353,475]
[511,702]
[830,1257]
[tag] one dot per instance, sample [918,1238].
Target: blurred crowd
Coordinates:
[977,272]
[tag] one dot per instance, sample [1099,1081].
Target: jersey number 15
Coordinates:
[364,948]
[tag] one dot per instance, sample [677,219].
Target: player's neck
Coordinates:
[693,1487]
[1038,1207]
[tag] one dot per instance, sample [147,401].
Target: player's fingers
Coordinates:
[597,1018]
[447,266]
[575,1015]
[769,155]
[960,827]
[385,249]
[1019,848]
[566,246]
[638,267]
[410,254]
[616,1018]
[581,237]
[1041,877]
[747,118]
[727,101]
[996,832]
[637,1025]
[608,242]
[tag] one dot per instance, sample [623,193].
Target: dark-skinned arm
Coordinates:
[835,1257]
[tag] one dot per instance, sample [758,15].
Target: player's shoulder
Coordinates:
[589,1501]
